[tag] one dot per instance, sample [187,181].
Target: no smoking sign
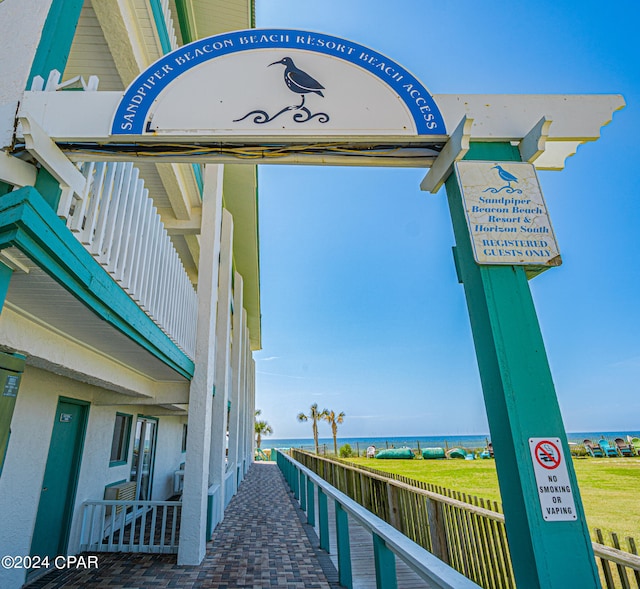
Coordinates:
[547,455]
[552,479]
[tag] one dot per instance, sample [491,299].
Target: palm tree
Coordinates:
[261,428]
[334,420]
[315,415]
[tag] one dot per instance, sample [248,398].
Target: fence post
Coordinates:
[385,562]
[394,508]
[344,547]
[364,489]
[323,520]
[437,531]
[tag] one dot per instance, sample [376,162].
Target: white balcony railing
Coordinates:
[130,526]
[168,21]
[118,224]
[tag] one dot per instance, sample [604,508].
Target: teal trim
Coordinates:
[185,433]
[5,280]
[11,369]
[323,520]
[521,403]
[210,523]
[344,547]
[4,452]
[183,22]
[115,483]
[64,460]
[385,563]
[57,37]
[161,25]
[311,503]
[48,188]
[303,491]
[27,223]
[126,436]
[52,54]
[197,172]
[187,37]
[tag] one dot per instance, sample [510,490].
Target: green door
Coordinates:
[60,478]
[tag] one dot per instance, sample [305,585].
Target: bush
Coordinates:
[346,451]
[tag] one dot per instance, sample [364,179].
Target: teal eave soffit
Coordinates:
[29,224]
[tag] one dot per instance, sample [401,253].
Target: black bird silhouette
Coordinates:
[299,81]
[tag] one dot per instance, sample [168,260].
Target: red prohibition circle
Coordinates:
[554,460]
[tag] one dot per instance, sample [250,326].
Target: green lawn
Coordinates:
[610,487]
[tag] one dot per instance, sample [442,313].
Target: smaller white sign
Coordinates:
[506,214]
[552,480]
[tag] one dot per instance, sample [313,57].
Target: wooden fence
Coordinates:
[464,531]
[619,561]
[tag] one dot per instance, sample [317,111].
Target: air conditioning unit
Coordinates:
[121,492]
[178,481]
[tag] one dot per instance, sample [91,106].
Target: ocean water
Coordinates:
[469,442]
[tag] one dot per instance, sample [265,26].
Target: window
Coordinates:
[184,437]
[120,442]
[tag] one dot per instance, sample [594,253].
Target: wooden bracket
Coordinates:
[44,149]
[534,142]
[454,150]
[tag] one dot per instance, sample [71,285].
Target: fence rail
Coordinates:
[130,526]
[313,492]
[464,531]
[619,569]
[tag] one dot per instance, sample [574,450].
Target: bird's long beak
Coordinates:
[274,63]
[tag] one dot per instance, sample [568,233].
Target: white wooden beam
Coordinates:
[192,546]
[16,172]
[42,147]
[182,227]
[453,151]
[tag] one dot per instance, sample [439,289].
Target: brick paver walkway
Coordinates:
[260,543]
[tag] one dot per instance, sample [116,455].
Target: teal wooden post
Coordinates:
[344,547]
[521,403]
[323,520]
[303,492]
[5,279]
[385,563]
[295,480]
[311,504]
[52,54]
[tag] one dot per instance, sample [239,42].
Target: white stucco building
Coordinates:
[130,310]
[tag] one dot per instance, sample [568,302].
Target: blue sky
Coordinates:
[361,308]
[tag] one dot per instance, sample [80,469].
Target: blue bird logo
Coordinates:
[508,177]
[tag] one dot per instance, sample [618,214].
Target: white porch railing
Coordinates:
[117,223]
[168,21]
[130,526]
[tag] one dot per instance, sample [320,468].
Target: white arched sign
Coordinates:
[272,81]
